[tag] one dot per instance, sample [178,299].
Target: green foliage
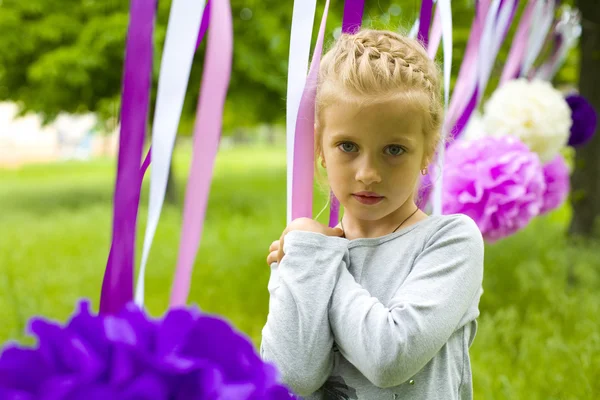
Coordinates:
[68,55]
[538,332]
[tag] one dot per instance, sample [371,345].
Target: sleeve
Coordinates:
[390,344]
[297,336]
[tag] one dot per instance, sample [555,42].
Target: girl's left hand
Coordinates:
[300,224]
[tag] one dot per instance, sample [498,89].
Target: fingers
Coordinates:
[280,253]
[274,245]
[271,258]
[337,231]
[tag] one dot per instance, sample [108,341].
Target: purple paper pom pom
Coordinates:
[584,119]
[186,355]
[556,175]
[497,181]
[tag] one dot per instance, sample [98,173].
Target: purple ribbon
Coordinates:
[353,15]
[117,286]
[425,21]
[204,23]
[207,132]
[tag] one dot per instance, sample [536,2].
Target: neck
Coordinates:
[355,228]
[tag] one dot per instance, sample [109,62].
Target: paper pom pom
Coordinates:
[498,182]
[534,112]
[186,355]
[556,175]
[584,119]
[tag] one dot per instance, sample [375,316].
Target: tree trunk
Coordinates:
[585,196]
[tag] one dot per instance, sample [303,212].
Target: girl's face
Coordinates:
[376,148]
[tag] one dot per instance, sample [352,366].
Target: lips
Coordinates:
[368,198]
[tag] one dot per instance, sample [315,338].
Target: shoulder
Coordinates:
[454,230]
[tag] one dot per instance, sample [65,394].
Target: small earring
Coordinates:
[424,171]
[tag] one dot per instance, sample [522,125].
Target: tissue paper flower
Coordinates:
[556,175]
[186,355]
[584,119]
[498,182]
[534,112]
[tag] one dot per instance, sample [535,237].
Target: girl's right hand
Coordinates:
[299,224]
[273,251]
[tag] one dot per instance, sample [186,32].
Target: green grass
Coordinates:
[539,335]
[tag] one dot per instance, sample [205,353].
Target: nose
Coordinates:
[367,172]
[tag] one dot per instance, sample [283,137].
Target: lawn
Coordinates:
[539,331]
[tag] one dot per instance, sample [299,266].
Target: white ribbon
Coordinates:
[178,54]
[543,16]
[569,29]
[446,19]
[303,19]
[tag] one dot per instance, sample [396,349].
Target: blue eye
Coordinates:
[395,150]
[347,147]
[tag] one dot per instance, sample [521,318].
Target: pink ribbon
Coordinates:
[304,157]
[207,132]
[117,286]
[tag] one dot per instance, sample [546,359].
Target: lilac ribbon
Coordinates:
[304,157]
[207,132]
[425,21]
[353,15]
[117,286]
[514,62]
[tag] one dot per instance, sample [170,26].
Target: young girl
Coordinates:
[383,306]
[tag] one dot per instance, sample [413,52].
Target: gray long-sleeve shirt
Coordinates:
[391,317]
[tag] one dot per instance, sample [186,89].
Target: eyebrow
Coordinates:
[346,136]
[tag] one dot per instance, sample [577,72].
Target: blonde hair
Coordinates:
[372,66]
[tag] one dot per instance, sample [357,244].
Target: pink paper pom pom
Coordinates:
[497,181]
[556,175]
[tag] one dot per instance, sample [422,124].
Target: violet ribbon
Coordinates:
[117,286]
[207,132]
[425,21]
[353,15]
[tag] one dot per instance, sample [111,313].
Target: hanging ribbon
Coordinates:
[301,34]
[178,54]
[446,22]
[512,67]
[425,21]
[499,17]
[568,31]
[207,132]
[117,286]
[543,17]
[466,82]
[353,14]
[436,35]
[304,150]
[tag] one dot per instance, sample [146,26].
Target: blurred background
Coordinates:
[60,80]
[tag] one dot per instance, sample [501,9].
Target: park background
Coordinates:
[539,331]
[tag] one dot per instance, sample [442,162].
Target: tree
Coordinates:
[586,177]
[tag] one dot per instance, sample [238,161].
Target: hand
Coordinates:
[300,224]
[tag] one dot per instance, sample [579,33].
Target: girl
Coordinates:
[383,306]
